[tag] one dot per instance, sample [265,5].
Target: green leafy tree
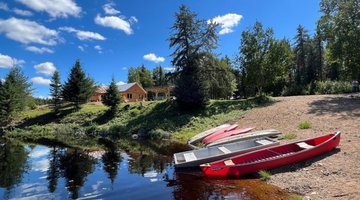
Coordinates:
[253,49]
[15,91]
[190,38]
[140,75]
[78,88]
[55,91]
[112,96]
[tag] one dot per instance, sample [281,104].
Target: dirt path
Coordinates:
[335,175]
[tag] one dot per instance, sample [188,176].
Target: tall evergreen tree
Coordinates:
[55,91]
[78,88]
[112,96]
[159,76]
[300,51]
[190,38]
[14,94]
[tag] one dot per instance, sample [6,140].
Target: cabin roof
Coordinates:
[122,88]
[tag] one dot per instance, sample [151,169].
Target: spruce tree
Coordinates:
[78,88]
[191,37]
[55,91]
[14,93]
[112,97]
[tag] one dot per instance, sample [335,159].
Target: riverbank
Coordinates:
[333,175]
[151,120]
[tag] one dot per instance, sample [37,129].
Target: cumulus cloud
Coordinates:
[8,62]
[169,68]
[40,81]
[152,57]
[98,48]
[46,68]
[133,20]
[25,13]
[110,10]
[115,23]
[120,83]
[55,8]
[26,31]
[40,50]
[83,35]
[227,22]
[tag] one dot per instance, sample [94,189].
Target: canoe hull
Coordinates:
[245,136]
[202,135]
[218,169]
[214,137]
[197,163]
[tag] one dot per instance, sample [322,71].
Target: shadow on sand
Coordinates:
[342,106]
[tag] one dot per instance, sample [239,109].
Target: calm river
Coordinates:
[50,172]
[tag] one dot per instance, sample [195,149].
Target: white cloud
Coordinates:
[25,13]
[55,8]
[120,83]
[40,50]
[83,35]
[4,6]
[115,23]
[152,57]
[40,80]
[26,31]
[133,20]
[46,68]
[227,22]
[8,62]
[108,9]
[81,48]
[98,48]
[169,68]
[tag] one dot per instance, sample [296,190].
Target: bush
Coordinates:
[332,87]
[159,134]
[134,112]
[287,136]
[264,175]
[304,125]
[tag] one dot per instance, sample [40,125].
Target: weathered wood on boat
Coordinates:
[245,136]
[197,157]
[202,135]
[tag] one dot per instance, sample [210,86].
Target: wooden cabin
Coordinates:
[130,92]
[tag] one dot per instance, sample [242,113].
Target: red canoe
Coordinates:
[226,129]
[215,137]
[272,157]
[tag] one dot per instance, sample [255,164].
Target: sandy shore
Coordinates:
[335,175]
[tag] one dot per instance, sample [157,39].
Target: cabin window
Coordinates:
[129,96]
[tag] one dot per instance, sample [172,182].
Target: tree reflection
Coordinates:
[111,160]
[75,166]
[54,168]
[13,164]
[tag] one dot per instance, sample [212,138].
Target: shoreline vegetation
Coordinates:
[154,120]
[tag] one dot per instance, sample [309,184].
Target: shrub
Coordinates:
[287,136]
[264,175]
[304,125]
[134,112]
[295,197]
[332,87]
[159,134]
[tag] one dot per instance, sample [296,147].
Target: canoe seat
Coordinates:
[189,157]
[304,145]
[224,150]
[263,142]
[229,163]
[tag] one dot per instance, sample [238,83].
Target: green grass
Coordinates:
[158,118]
[295,197]
[264,175]
[304,125]
[287,136]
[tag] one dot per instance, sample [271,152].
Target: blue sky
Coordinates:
[110,36]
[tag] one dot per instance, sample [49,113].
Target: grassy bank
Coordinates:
[154,120]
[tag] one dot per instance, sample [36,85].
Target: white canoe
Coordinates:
[197,157]
[245,136]
[202,135]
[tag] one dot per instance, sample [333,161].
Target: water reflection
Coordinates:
[146,173]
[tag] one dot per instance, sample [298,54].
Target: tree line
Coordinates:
[264,64]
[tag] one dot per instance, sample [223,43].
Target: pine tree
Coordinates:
[14,94]
[55,91]
[191,37]
[112,97]
[78,88]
